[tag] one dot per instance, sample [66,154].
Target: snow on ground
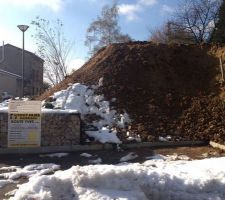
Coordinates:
[87,155]
[154,179]
[30,170]
[5,182]
[104,135]
[136,138]
[81,98]
[52,155]
[130,156]
[12,173]
[165,139]
[156,157]
[172,157]
[96,161]
[178,157]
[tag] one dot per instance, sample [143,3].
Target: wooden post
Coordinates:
[221,69]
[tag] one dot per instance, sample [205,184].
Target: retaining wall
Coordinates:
[57,129]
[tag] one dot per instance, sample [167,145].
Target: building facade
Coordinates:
[11,71]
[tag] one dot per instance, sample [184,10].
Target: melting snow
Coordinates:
[87,155]
[30,170]
[172,157]
[153,179]
[96,161]
[130,156]
[81,98]
[156,157]
[104,135]
[134,138]
[52,155]
[5,182]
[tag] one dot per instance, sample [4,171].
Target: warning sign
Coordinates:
[24,124]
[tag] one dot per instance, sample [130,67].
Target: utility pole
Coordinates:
[23,28]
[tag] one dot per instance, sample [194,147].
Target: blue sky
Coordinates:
[136,17]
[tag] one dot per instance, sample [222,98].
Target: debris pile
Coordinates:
[167,90]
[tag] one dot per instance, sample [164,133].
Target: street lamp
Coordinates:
[23,28]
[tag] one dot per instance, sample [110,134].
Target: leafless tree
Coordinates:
[170,33]
[105,30]
[159,35]
[197,17]
[53,48]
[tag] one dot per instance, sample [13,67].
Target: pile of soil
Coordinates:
[166,89]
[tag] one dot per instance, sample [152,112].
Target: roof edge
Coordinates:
[31,53]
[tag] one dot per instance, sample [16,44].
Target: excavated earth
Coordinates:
[172,90]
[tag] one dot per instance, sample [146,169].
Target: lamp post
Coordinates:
[23,28]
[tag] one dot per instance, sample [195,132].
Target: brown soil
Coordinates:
[166,89]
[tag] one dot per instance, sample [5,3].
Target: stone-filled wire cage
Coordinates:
[57,129]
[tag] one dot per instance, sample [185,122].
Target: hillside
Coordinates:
[166,89]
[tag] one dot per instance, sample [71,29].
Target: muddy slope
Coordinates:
[167,89]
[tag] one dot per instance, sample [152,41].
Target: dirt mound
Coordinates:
[166,89]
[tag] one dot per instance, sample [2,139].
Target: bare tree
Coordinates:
[105,30]
[159,35]
[53,48]
[170,33]
[197,17]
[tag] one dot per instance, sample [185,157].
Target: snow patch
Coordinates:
[87,155]
[104,135]
[156,157]
[33,170]
[130,156]
[81,98]
[96,161]
[5,182]
[136,138]
[153,179]
[52,155]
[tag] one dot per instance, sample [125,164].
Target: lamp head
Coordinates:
[23,28]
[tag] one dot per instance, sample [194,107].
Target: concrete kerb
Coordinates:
[93,147]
